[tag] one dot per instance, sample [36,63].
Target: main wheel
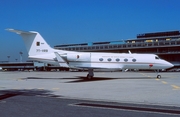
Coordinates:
[89,77]
[159,76]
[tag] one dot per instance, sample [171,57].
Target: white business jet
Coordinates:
[39,50]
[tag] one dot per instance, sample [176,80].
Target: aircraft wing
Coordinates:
[61,61]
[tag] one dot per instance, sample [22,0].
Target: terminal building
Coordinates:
[164,44]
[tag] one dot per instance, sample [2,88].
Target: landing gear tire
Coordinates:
[159,76]
[89,77]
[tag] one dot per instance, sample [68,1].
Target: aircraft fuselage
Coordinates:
[97,60]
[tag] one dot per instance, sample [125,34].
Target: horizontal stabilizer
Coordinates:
[20,31]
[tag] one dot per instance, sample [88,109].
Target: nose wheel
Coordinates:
[159,76]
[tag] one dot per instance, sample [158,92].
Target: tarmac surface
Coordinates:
[132,93]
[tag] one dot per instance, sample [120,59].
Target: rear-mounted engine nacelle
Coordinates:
[76,56]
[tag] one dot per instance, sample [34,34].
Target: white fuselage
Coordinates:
[97,60]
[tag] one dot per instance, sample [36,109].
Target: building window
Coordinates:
[97,47]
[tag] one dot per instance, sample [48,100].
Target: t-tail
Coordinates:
[35,44]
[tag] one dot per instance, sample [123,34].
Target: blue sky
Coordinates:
[79,21]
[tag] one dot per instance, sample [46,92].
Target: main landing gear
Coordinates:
[158,76]
[90,74]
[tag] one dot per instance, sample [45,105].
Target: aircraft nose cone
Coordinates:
[170,65]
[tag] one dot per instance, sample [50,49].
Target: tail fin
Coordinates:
[35,44]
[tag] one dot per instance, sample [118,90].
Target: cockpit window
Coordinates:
[156,57]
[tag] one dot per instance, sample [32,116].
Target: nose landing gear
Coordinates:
[158,76]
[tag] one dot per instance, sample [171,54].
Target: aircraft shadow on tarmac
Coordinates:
[77,79]
[84,79]
[41,78]
[25,92]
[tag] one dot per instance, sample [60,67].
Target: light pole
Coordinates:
[20,56]
[8,58]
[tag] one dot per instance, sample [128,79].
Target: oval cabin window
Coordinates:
[109,59]
[101,59]
[126,60]
[134,60]
[117,59]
